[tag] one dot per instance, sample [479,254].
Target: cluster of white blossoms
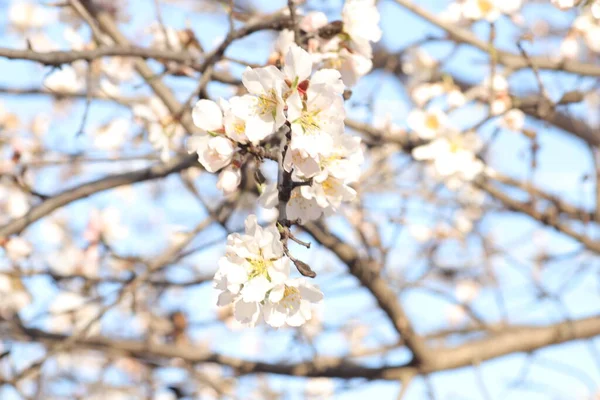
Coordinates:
[300,107]
[322,159]
[254,275]
[348,51]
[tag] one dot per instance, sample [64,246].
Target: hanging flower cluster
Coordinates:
[254,275]
[301,106]
[322,159]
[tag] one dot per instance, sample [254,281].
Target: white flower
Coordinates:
[419,64]
[456,98]
[163,131]
[207,115]
[427,123]
[265,108]
[160,138]
[595,9]
[23,16]
[361,20]
[164,37]
[72,311]
[312,21]
[498,83]
[513,120]
[64,79]
[214,153]
[319,388]
[481,9]
[17,248]
[14,296]
[269,197]
[302,208]
[510,7]
[289,303]
[314,121]
[453,154]
[298,65]
[112,135]
[330,78]
[345,159]
[569,47]
[564,4]
[284,41]
[105,224]
[229,179]
[352,66]
[254,264]
[330,192]
[422,93]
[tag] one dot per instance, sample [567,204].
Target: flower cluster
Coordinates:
[254,276]
[321,158]
[347,50]
[299,106]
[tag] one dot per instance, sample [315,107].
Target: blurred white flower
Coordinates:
[453,154]
[71,311]
[18,248]
[481,9]
[513,120]
[229,179]
[427,123]
[24,15]
[14,296]
[467,290]
[319,388]
[64,79]
[112,135]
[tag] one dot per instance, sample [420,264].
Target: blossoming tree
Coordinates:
[312,199]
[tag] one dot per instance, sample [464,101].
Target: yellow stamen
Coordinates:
[485,6]
[432,122]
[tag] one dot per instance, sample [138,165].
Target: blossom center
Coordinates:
[239,127]
[325,161]
[258,267]
[267,103]
[328,187]
[455,145]
[485,6]
[310,122]
[432,122]
[291,297]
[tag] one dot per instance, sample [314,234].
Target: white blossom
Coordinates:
[452,154]
[361,23]
[427,123]
[214,153]
[266,105]
[229,179]
[290,303]
[481,9]
[14,296]
[315,120]
[64,79]
[24,15]
[269,195]
[254,263]
[513,120]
